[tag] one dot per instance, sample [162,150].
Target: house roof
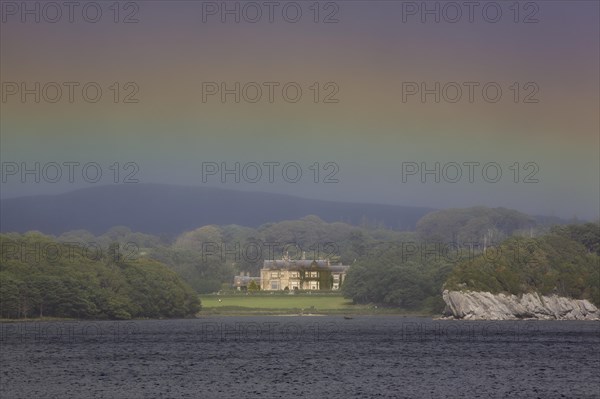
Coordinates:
[288,264]
[302,264]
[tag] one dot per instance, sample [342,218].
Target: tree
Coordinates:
[253,286]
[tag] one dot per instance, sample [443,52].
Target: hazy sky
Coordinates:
[366,116]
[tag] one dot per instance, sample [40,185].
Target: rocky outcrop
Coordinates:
[471,305]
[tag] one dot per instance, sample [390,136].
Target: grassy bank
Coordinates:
[38,319]
[286,304]
[279,303]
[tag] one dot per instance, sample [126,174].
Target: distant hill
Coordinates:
[167,209]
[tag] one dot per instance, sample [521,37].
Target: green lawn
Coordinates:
[299,301]
[278,303]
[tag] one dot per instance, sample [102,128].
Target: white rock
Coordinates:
[472,305]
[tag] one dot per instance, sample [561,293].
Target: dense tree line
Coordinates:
[142,275]
[209,256]
[587,234]
[399,276]
[476,224]
[564,262]
[40,276]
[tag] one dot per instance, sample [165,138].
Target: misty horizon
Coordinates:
[53,190]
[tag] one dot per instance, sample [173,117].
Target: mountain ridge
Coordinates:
[171,209]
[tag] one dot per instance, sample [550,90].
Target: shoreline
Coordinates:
[237,313]
[347,316]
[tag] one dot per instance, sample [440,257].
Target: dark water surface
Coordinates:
[313,357]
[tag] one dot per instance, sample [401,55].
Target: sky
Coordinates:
[355,101]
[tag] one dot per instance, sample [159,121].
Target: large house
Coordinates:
[302,274]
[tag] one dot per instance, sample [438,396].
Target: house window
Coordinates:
[274,275]
[336,277]
[294,284]
[313,285]
[336,286]
[274,285]
[294,275]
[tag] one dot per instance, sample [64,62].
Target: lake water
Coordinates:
[312,357]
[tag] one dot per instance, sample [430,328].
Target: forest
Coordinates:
[42,277]
[123,274]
